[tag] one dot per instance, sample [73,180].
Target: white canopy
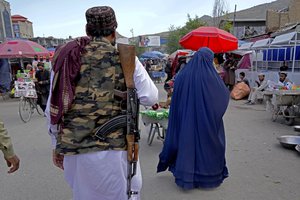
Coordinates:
[241,53]
[246,46]
[284,39]
[262,43]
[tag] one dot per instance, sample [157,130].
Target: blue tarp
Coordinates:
[282,54]
[152,54]
[149,55]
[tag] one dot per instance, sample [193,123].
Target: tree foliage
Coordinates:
[178,32]
[227,25]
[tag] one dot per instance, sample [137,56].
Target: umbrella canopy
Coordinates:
[21,49]
[150,55]
[158,53]
[217,40]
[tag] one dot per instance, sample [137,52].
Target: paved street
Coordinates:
[259,167]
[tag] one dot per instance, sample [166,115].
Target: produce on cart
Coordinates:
[157,119]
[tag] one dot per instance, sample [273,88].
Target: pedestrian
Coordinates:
[35,61]
[168,70]
[257,91]
[148,65]
[284,81]
[218,64]
[43,85]
[12,160]
[88,71]
[284,66]
[181,64]
[230,66]
[48,64]
[194,148]
[243,78]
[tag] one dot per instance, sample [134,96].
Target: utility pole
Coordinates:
[132,36]
[234,16]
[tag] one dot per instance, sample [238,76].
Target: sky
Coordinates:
[64,18]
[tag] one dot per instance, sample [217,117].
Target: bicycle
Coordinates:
[26,108]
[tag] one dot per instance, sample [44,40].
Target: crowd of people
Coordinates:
[87,71]
[81,86]
[256,92]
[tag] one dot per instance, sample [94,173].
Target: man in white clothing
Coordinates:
[93,169]
[257,92]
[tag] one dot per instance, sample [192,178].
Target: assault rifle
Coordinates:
[130,120]
[127,57]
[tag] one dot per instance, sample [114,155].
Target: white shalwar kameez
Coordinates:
[102,175]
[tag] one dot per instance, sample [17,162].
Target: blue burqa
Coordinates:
[194,148]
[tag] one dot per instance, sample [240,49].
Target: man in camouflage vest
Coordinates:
[85,74]
[6,147]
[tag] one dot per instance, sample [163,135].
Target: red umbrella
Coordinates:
[217,40]
[21,49]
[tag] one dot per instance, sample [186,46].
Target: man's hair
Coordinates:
[96,32]
[285,74]
[40,64]
[219,58]
[242,74]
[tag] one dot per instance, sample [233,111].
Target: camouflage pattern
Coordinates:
[94,102]
[5,142]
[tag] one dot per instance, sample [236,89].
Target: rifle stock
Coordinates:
[127,58]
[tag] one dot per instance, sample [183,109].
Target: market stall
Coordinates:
[158,122]
[284,102]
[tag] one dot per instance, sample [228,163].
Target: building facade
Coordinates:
[245,28]
[6,30]
[22,27]
[49,42]
[279,19]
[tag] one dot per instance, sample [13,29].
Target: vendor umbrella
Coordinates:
[21,49]
[150,55]
[158,53]
[217,40]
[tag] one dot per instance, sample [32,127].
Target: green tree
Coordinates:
[178,32]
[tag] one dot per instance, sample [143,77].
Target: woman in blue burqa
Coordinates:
[194,148]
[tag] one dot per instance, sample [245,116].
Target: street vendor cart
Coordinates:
[158,121]
[285,103]
[25,89]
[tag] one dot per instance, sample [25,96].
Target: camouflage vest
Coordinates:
[94,102]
